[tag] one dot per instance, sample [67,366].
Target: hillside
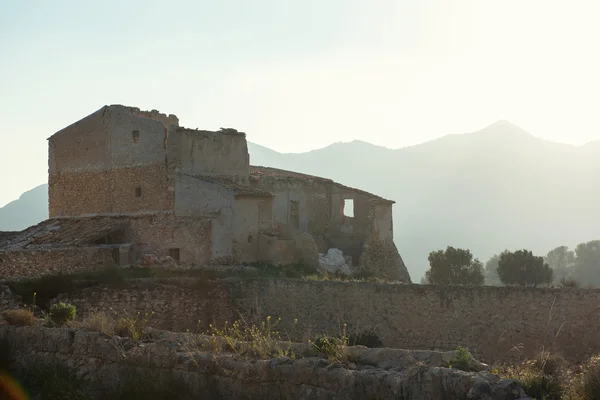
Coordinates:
[29,209]
[489,190]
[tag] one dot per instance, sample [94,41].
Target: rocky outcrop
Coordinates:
[109,361]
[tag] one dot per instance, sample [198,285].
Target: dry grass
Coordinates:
[250,340]
[21,317]
[547,376]
[100,322]
[586,384]
[134,327]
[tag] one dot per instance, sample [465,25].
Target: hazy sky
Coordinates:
[297,75]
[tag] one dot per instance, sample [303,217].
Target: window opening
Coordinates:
[294,214]
[348,210]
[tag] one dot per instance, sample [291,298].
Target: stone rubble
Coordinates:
[334,262]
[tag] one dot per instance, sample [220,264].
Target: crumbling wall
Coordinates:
[197,197]
[186,239]
[221,154]
[251,215]
[305,206]
[276,250]
[379,254]
[490,321]
[316,206]
[36,263]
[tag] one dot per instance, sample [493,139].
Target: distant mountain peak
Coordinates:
[504,128]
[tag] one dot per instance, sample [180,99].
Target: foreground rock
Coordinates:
[109,362]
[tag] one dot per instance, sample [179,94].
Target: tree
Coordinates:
[523,268]
[454,267]
[587,263]
[562,261]
[491,271]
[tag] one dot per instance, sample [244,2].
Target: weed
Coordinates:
[61,313]
[100,322]
[21,317]
[134,327]
[332,347]
[260,341]
[587,385]
[545,377]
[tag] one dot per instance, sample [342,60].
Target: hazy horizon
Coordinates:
[298,76]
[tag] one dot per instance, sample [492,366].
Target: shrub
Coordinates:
[463,359]
[22,317]
[61,313]
[134,327]
[334,348]
[587,385]
[545,377]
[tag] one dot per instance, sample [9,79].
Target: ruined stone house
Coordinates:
[124,183]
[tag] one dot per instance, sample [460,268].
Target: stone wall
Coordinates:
[490,321]
[251,215]
[124,190]
[112,161]
[173,364]
[162,234]
[35,263]
[221,154]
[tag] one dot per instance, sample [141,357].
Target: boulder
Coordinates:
[334,262]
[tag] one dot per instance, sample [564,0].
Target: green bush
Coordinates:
[463,359]
[61,313]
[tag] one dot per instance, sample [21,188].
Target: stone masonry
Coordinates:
[131,183]
[496,324]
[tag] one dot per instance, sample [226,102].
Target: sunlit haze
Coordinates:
[298,75]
